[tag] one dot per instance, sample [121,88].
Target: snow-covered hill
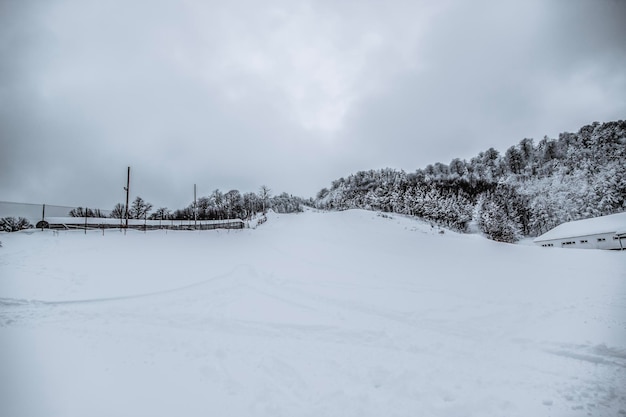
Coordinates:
[316,314]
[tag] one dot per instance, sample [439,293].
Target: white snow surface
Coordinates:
[613,223]
[315,314]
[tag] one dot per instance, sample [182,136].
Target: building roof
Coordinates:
[613,223]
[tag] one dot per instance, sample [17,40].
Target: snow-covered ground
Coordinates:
[315,314]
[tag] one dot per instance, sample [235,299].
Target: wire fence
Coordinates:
[76,217]
[36,212]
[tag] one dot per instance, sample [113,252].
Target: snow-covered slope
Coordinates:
[315,314]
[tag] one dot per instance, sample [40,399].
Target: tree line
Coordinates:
[526,191]
[216,206]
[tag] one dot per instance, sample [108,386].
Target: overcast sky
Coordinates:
[291,94]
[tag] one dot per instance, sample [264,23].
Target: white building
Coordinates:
[606,232]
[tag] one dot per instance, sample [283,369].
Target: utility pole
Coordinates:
[127,188]
[195,209]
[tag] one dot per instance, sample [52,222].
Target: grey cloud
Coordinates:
[494,74]
[288,94]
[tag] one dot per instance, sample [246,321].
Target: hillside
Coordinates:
[526,191]
[316,314]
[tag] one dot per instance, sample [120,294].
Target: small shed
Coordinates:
[605,232]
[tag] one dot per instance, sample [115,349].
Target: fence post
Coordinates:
[86,219]
[43,216]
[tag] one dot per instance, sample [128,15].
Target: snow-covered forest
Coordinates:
[526,191]
[234,205]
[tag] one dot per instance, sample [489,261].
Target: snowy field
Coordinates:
[315,314]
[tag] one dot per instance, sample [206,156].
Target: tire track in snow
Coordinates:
[16,302]
[600,354]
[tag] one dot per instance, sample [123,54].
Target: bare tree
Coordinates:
[217,199]
[162,213]
[250,204]
[264,195]
[82,212]
[203,205]
[233,203]
[140,209]
[118,211]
